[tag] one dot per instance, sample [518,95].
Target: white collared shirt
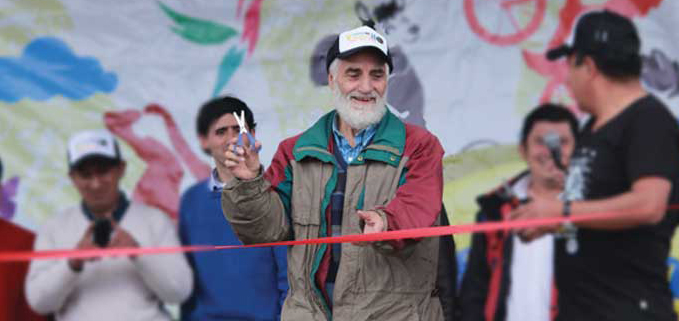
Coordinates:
[531,272]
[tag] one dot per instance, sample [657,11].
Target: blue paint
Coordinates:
[47,68]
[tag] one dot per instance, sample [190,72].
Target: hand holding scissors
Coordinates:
[241,160]
[244,132]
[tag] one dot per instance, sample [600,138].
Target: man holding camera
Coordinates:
[109,288]
[626,162]
[506,278]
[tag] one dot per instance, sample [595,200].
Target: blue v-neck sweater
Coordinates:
[242,284]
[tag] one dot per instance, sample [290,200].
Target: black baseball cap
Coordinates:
[602,35]
[355,40]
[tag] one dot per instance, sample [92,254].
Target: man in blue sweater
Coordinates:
[243,284]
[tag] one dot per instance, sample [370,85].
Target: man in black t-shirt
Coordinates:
[626,162]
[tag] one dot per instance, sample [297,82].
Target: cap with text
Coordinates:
[359,39]
[88,144]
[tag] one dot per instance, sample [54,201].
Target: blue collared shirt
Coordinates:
[215,184]
[362,139]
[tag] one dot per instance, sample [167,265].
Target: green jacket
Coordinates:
[399,175]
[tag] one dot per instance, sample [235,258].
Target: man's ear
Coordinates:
[203,142]
[330,80]
[252,131]
[121,168]
[523,151]
[590,66]
[204,145]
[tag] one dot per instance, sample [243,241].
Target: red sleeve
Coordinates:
[417,202]
[275,174]
[13,275]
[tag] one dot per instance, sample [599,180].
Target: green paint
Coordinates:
[197,30]
[227,68]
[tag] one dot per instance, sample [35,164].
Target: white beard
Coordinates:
[357,116]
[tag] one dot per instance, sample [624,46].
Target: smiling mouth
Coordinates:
[364,100]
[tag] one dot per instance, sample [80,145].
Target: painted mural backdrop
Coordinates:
[468,70]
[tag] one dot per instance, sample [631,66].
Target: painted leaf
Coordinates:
[227,68]
[8,193]
[198,30]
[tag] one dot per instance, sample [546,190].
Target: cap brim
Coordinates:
[377,50]
[559,52]
[92,157]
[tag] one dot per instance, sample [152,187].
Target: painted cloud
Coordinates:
[48,67]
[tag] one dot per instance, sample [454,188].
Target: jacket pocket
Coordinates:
[392,309]
[414,272]
[304,214]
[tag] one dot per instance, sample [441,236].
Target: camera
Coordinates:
[101,235]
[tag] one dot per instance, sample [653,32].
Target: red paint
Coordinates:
[239,10]
[519,34]
[160,183]
[251,25]
[554,72]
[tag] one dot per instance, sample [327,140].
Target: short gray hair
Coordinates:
[334,68]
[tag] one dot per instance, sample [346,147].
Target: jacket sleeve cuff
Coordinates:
[247,186]
[385,220]
[391,246]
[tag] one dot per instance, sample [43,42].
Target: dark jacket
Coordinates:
[446,279]
[486,282]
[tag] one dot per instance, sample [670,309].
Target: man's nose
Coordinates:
[95,182]
[365,85]
[543,149]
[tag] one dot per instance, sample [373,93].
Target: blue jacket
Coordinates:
[242,284]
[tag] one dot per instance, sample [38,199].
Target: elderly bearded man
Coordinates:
[359,169]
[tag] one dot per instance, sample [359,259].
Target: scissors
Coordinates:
[244,131]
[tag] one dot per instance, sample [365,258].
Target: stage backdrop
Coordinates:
[468,70]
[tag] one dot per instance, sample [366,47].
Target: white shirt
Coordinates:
[530,290]
[112,288]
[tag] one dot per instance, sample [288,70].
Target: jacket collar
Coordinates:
[387,145]
[501,194]
[117,215]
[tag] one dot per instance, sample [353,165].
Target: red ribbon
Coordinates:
[18,256]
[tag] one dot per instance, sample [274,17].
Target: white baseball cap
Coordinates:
[355,40]
[92,143]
